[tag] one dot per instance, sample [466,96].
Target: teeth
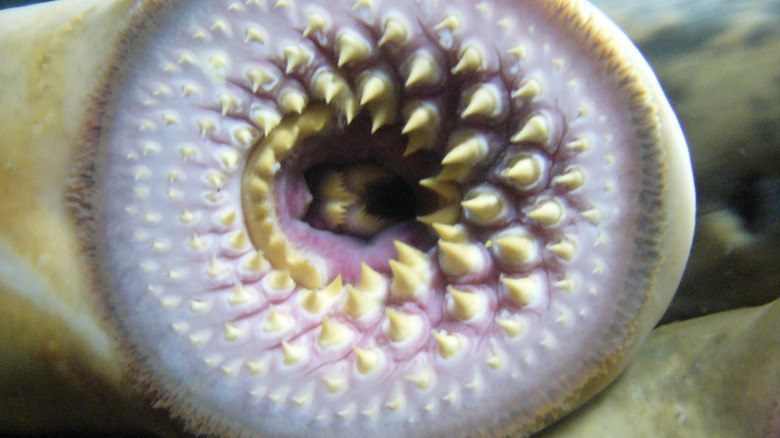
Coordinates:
[515,248]
[395,32]
[454,172]
[535,130]
[572,179]
[304,272]
[367,360]
[450,22]
[232,332]
[316,22]
[258,77]
[332,334]
[362,3]
[470,151]
[522,290]
[447,190]
[579,145]
[276,321]
[296,56]
[519,51]
[484,102]
[512,326]
[409,281]
[267,119]
[239,240]
[460,259]
[402,326]
[528,91]
[371,281]
[291,354]
[593,215]
[282,4]
[524,171]
[359,304]
[466,305]
[253,33]
[565,249]
[422,70]
[379,93]
[293,101]
[470,60]
[333,384]
[449,345]
[566,283]
[372,87]
[239,295]
[450,233]
[547,212]
[227,101]
[424,116]
[410,255]
[484,208]
[421,381]
[447,215]
[279,280]
[353,48]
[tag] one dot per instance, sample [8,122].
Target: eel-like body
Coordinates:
[59,343]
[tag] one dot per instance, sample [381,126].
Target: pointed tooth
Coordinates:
[382,114]
[239,295]
[485,206]
[362,4]
[519,51]
[313,301]
[459,259]
[547,212]
[449,345]
[408,281]
[291,354]
[512,326]
[447,190]
[333,290]
[572,179]
[402,326]
[593,215]
[304,272]
[450,22]
[421,381]
[352,48]
[410,255]
[232,332]
[316,22]
[372,282]
[267,164]
[484,101]
[579,145]
[293,101]
[451,233]
[466,305]
[422,70]
[522,290]
[282,4]
[332,334]
[515,248]
[566,283]
[470,151]
[335,211]
[296,56]
[334,89]
[395,32]
[565,249]
[267,119]
[253,33]
[227,101]
[424,116]
[447,215]
[373,87]
[418,141]
[535,130]
[258,77]
[367,360]
[524,171]
[276,321]
[470,60]
[454,172]
[333,384]
[359,304]
[528,91]
[495,361]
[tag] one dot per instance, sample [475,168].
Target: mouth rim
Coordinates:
[86,206]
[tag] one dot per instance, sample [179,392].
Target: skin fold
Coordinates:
[55,344]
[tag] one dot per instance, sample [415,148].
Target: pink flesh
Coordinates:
[564,333]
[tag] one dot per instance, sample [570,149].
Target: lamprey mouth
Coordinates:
[417,218]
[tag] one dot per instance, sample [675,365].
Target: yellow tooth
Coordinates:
[449,345]
[280,280]
[371,281]
[359,304]
[512,326]
[447,190]
[239,295]
[304,272]
[373,87]
[362,3]
[450,233]
[535,130]
[422,117]
[528,91]
[495,361]
[292,354]
[450,22]
[579,145]
[566,283]
[367,360]
[276,321]
[333,384]
[515,248]
[469,152]
[293,101]
[407,280]
[267,163]
[300,400]
[484,102]
[454,172]
[466,305]
[312,301]
[332,334]
[334,89]
[333,290]
[253,33]
[572,179]
[422,380]
[316,22]
[197,306]
[352,48]
[258,77]
[239,239]
[525,171]
[470,60]
[593,215]
[335,212]
[256,263]
[521,290]
[547,212]
[418,140]
[216,269]
[205,126]
[232,332]
[267,119]
[485,206]
[295,56]
[282,4]
[410,255]
[395,32]
[447,215]
[564,249]
[382,113]
[402,326]
[519,51]
[423,70]
[459,258]
[227,101]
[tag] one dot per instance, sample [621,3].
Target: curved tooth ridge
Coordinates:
[296,56]
[450,22]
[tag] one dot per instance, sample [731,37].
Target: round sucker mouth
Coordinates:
[370,217]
